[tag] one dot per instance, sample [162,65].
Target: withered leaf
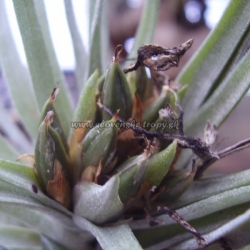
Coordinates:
[159,58]
[166,113]
[89,174]
[92,173]
[28,158]
[137,109]
[210,134]
[128,145]
[59,188]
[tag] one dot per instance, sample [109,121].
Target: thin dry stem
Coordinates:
[200,240]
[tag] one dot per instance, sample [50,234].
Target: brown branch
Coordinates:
[199,147]
[204,165]
[172,213]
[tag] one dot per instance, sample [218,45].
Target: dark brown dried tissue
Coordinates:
[159,58]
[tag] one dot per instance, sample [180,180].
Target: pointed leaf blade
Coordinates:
[98,204]
[145,31]
[19,237]
[20,87]
[7,151]
[98,44]
[79,50]
[45,72]
[209,61]
[223,100]
[112,238]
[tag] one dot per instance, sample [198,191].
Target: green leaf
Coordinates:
[96,203]
[116,92]
[223,100]
[111,238]
[170,234]
[204,188]
[159,164]
[56,124]
[216,203]
[235,233]
[176,183]
[86,106]
[206,206]
[56,226]
[21,179]
[20,88]
[212,58]
[49,244]
[131,175]
[13,134]
[91,14]
[205,215]
[8,220]
[146,29]
[79,50]
[22,198]
[43,66]
[105,40]
[151,113]
[100,141]
[98,45]
[7,151]
[19,238]
[237,55]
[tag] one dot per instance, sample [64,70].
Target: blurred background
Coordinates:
[179,20]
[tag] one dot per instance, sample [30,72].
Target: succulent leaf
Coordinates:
[12,68]
[100,83]
[146,29]
[56,124]
[159,165]
[52,164]
[87,202]
[105,169]
[75,151]
[144,87]
[131,175]
[60,151]
[45,152]
[176,183]
[79,50]
[86,107]
[116,92]
[110,237]
[98,38]
[151,113]
[44,72]
[100,142]
[216,52]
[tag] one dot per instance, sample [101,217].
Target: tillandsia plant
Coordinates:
[118,172]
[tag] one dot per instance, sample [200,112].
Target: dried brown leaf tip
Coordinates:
[49,118]
[118,51]
[54,94]
[159,58]
[210,134]
[59,188]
